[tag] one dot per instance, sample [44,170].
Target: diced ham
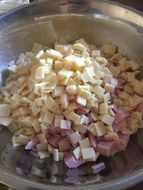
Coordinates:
[54,140]
[140,107]
[121,82]
[66,132]
[105,148]
[98,167]
[71,98]
[120,125]
[120,115]
[71,162]
[81,110]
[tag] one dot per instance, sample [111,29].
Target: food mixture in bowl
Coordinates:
[75,102]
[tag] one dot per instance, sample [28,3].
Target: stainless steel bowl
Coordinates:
[45,22]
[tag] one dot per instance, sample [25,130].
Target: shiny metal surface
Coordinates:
[45,22]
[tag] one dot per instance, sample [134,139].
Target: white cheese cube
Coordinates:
[65,124]
[73,117]
[95,53]
[56,155]
[80,100]
[43,154]
[71,89]
[53,53]
[4,110]
[48,117]
[58,119]
[86,77]
[65,73]
[103,108]
[99,90]
[77,152]
[81,128]
[107,119]
[50,103]
[42,138]
[5,121]
[74,138]
[64,101]
[58,65]
[107,97]
[84,143]
[88,153]
[58,91]
[109,87]
[84,120]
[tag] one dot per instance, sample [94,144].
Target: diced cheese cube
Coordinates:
[84,120]
[50,149]
[48,117]
[111,136]
[56,155]
[50,61]
[95,53]
[81,128]
[84,143]
[64,101]
[24,111]
[42,138]
[99,90]
[65,124]
[80,100]
[58,65]
[72,106]
[58,119]
[4,110]
[77,152]
[36,125]
[65,73]
[58,91]
[74,138]
[88,153]
[71,82]
[100,129]
[83,93]
[5,121]
[103,108]
[87,77]
[50,103]
[79,62]
[107,119]
[43,154]
[107,97]
[73,117]
[40,54]
[71,89]
[109,87]
[53,53]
